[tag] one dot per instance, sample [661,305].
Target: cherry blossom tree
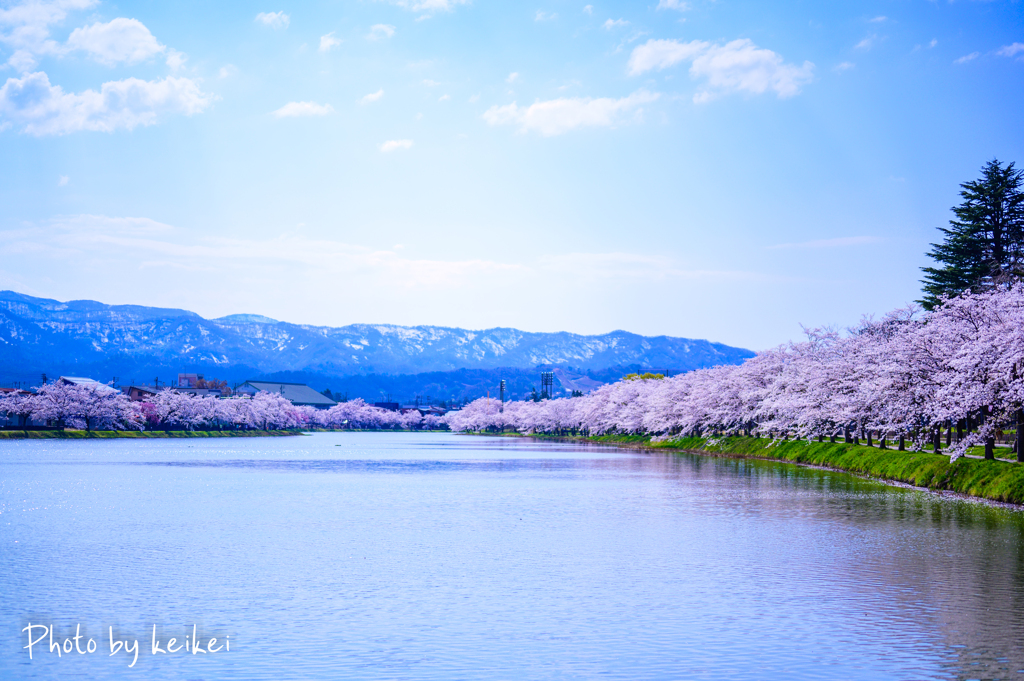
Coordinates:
[17,404]
[909,375]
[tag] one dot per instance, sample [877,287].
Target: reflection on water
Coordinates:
[423,556]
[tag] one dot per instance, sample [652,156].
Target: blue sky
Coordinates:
[726,170]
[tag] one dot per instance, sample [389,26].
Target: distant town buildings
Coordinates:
[299,394]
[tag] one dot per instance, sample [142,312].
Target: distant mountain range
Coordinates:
[138,344]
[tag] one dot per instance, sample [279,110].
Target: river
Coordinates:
[440,556]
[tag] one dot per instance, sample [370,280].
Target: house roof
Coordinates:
[296,393]
[88,383]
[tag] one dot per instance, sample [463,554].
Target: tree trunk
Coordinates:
[881,439]
[937,440]
[846,435]
[990,442]
[949,433]
[869,438]
[903,444]
[1020,434]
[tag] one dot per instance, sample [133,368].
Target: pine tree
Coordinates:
[984,245]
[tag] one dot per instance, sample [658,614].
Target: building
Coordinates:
[299,394]
[195,384]
[87,383]
[139,393]
[201,392]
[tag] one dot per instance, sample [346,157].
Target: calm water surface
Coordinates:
[438,556]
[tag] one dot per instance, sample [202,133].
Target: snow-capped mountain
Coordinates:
[38,334]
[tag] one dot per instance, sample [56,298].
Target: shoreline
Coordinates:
[150,434]
[996,482]
[137,434]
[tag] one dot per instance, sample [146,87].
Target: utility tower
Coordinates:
[547,384]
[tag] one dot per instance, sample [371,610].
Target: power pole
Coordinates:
[547,384]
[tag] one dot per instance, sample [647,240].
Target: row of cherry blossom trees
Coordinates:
[76,406]
[956,373]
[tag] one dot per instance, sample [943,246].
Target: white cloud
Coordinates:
[866,44]
[626,267]
[429,5]
[328,42]
[385,285]
[372,97]
[661,54]
[119,40]
[933,43]
[556,116]
[737,66]
[274,20]
[40,108]
[1011,50]
[378,31]
[512,77]
[844,66]
[879,19]
[607,265]
[175,60]
[297,109]
[839,242]
[63,181]
[395,145]
[473,99]
[612,23]
[967,57]
[588,9]
[227,71]
[430,83]
[443,98]
[22,61]
[544,16]
[28,29]
[91,224]
[677,5]
[153,246]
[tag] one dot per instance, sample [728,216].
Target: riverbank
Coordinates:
[135,434]
[1001,481]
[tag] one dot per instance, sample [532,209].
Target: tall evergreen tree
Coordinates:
[984,245]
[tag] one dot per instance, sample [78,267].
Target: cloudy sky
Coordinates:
[722,169]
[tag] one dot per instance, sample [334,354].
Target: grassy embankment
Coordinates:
[996,480]
[119,434]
